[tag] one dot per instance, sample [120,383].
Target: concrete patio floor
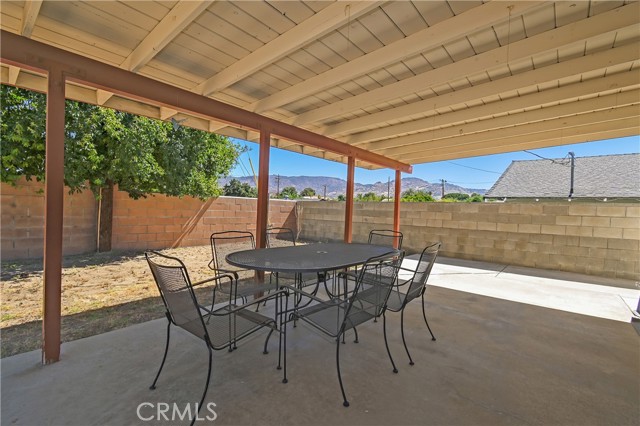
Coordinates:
[515,346]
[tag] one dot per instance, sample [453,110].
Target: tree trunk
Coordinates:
[106,218]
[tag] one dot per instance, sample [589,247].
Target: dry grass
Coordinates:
[100,292]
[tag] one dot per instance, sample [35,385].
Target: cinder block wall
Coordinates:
[22,226]
[161,221]
[149,223]
[593,238]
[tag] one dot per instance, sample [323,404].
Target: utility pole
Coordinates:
[443,182]
[278,185]
[573,159]
[389,188]
[325,193]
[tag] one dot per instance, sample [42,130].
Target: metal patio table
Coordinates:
[319,257]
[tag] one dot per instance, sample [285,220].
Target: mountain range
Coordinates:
[336,186]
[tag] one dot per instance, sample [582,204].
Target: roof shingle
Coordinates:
[598,176]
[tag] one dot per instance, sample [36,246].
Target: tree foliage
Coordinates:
[235,188]
[308,192]
[105,147]
[289,193]
[341,197]
[369,196]
[416,196]
[456,196]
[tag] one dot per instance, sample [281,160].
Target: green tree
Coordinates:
[104,148]
[235,188]
[369,196]
[289,192]
[416,196]
[456,196]
[475,198]
[308,192]
[341,197]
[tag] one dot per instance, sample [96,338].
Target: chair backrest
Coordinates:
[225,242]
[275,235]
[373,286]
[386,237]
[174,285]
[422,271]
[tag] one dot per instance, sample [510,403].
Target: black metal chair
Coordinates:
[277,237]
[219,327]
[412,282]
[380,237]
[245,283]
[386,237]
[367,301]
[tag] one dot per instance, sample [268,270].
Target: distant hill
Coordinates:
[337,186]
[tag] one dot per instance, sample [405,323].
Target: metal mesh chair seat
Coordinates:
[396,300]
[366,302]
[224,327]
[219,327]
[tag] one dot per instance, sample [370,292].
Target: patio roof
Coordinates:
[412,81]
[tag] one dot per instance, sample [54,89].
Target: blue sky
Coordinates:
[475,172]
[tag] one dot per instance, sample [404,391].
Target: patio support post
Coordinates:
[53,200]
[396,205]
[262,218]
[348,211]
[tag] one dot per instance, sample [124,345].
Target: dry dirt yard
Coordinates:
[100,292]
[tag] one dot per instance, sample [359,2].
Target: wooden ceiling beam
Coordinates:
[476,18]
[21,51]
[551,138]
[567,93]
[454,142]
[178,18]
[14,73]
[584,64]
[598,25]
[328,19]
[29,15]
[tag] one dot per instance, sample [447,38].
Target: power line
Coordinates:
[561,162]
[474,168]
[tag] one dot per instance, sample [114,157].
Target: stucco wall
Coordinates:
[593,238]
[150,223]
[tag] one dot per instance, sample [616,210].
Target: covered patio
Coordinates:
[501,360]
[368,84]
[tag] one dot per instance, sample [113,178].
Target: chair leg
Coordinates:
[386,344]
[206,386]
[283,330]
[344,396]
[424,315]
[404,342]
[266,341]
[166,350]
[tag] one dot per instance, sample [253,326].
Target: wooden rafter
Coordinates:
[328,19]
[182,14]
[29,16]
[421,41]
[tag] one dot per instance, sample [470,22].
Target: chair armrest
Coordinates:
[216,278]
[229,272]
[227,311]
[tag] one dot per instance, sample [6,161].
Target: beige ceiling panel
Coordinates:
[521,124]
[598,60]
[519,50]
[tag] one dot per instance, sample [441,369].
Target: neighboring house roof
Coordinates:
[613,176]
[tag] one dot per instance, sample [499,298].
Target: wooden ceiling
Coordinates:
[415,81]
